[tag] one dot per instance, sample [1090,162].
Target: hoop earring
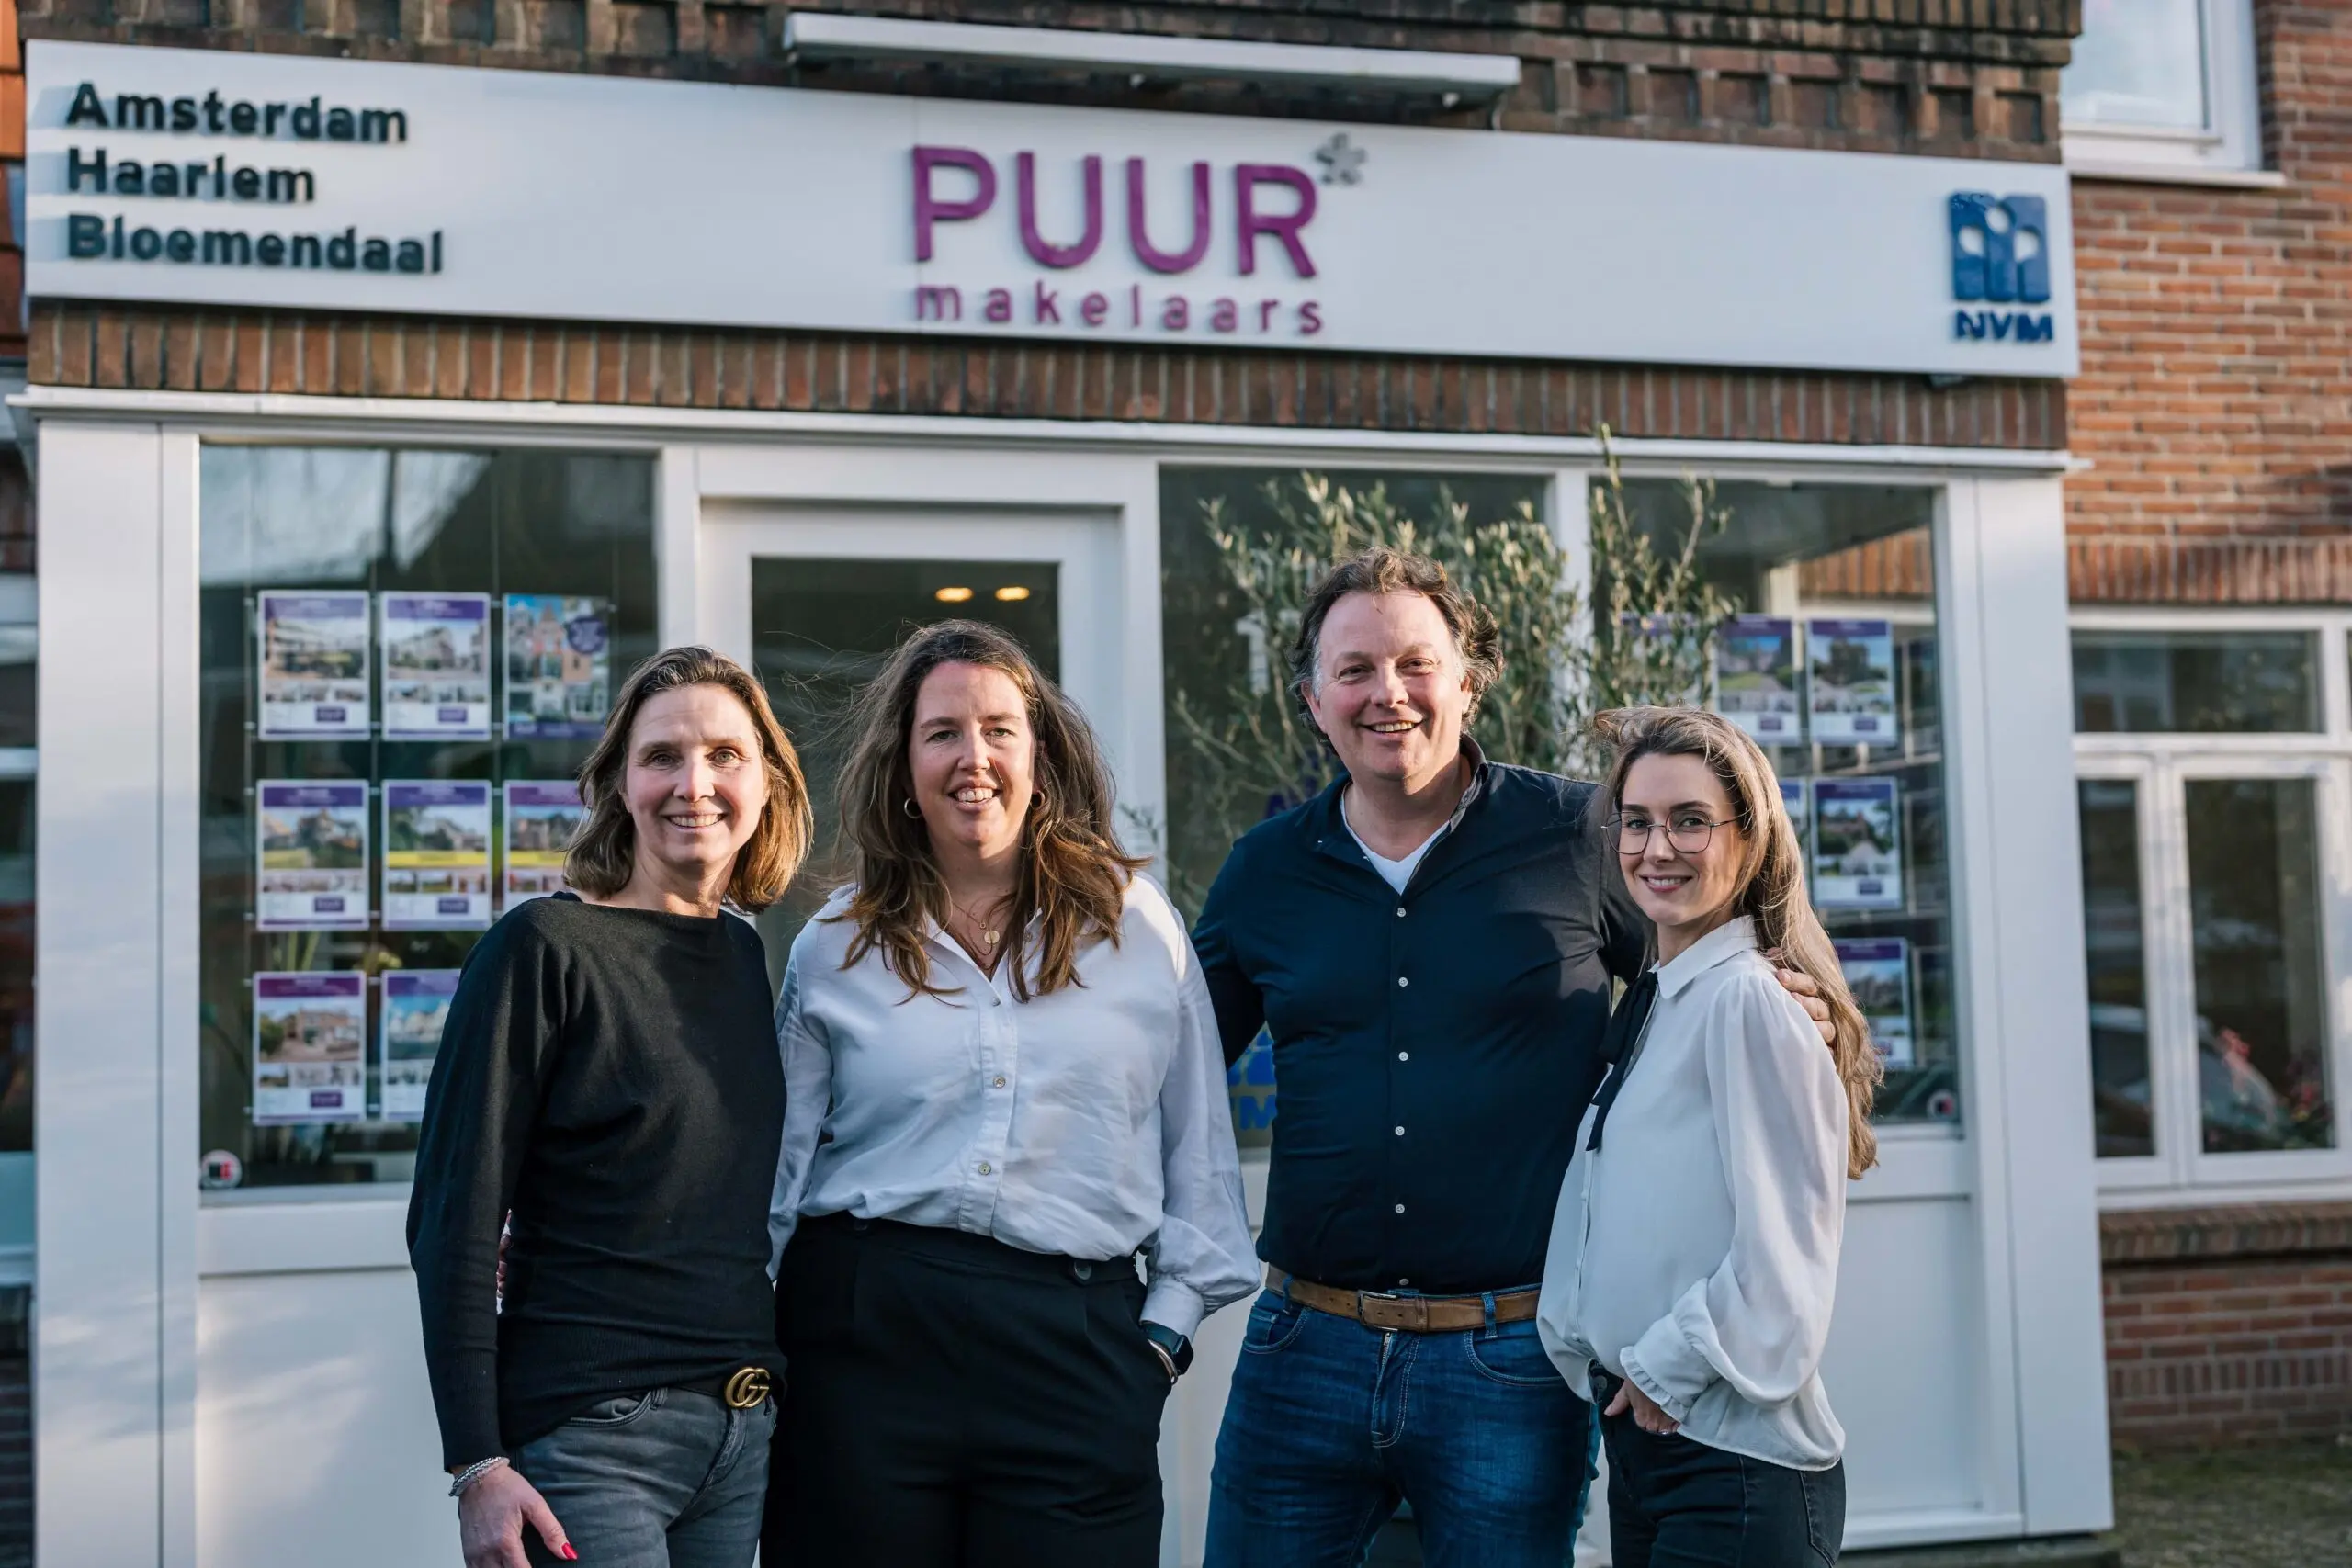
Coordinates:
[914,812]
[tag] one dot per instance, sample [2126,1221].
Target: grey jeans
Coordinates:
[661,1480]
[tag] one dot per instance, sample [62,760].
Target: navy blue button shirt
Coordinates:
[1434,1050]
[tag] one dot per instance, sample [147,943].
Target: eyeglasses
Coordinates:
[1689,835]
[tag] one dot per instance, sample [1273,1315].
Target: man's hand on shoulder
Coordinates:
[1808,995]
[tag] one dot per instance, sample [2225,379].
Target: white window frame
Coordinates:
[2227,150]
[2181,1171]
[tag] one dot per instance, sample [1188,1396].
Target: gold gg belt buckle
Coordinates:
[748,1387]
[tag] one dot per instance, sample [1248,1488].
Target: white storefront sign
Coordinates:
[215,178]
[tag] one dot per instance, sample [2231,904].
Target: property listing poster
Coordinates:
[1756,679]
[1850,683]
[1793,797]
[436,854]
[558,665]
[1857,844]
[436,665]
[313,852]
[309,1046]
[541,819]
[1878,971]
[314,666]
[416,1004]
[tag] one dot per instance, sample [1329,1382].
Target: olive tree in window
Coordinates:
[1643,631]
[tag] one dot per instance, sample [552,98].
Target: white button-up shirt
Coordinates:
[1088,1123]
[1696,1254]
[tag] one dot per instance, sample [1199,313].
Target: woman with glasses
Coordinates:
[1694,1253]
[1004,1087]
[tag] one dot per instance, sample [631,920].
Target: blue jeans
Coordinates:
[661,1480]
[1331,1424]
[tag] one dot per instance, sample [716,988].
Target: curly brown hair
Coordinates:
[604,854]
[1383,569]
[1074,873]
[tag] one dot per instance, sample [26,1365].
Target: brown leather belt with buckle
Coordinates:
[742,1389]
[1409,1314]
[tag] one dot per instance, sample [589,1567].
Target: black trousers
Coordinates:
[1674,1503]
[955,1403]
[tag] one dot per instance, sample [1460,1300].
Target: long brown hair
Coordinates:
[1771,882]
[604,854]
[1074,874]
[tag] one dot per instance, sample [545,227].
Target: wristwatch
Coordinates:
[1173,1344]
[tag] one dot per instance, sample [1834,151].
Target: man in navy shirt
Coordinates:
[1429,943]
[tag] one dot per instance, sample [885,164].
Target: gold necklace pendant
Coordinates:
[988,937]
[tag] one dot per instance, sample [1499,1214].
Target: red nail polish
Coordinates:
[569,1554]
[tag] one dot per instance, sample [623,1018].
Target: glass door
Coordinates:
[814,602]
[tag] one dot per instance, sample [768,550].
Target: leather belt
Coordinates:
[1407,1314]
[739,1390]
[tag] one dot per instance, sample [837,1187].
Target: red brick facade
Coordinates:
[407,356]
[2229,1325]
[2215,401]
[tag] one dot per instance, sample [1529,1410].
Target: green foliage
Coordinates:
[1646,633]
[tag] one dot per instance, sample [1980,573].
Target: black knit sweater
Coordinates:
[610,1078]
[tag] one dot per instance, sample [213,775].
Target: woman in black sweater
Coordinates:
[608,1079]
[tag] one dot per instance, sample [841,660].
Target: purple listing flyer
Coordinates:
[558,665]
[1857,844]
[436,854]
[416,1004]
[1878,972]
[313,873]
[542,816]
[309,1047]
[314,666]
[436,665]
[1850,683]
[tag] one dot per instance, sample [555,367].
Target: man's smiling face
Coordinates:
[1390,689]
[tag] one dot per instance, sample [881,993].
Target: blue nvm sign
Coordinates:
[2000,255]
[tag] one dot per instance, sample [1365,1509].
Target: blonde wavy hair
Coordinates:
[1772,881]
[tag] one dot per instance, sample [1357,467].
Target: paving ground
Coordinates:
[2261,1509]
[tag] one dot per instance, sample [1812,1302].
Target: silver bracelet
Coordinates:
[474,1472]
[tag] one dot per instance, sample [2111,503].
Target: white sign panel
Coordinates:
[212,177]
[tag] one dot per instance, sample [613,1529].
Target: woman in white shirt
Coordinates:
[1002,1083]
[1694,1256]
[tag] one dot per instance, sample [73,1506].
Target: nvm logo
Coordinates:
[2000,255]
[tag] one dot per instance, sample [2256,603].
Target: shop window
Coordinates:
[1837,671]
[405,657]
[2115,952]
[2187,683]
[2257,964]
[1834,667]
[2162,86]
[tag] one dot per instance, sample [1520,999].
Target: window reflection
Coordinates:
[2194,683]
[568,526]
[2138,64]
[2115,951]
[2258,964]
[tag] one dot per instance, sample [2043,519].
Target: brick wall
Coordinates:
[405,357]
[1958,77]
[2228,1325]
[2215,402]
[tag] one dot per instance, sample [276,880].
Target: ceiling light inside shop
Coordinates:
[955,595]
[1013,593]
